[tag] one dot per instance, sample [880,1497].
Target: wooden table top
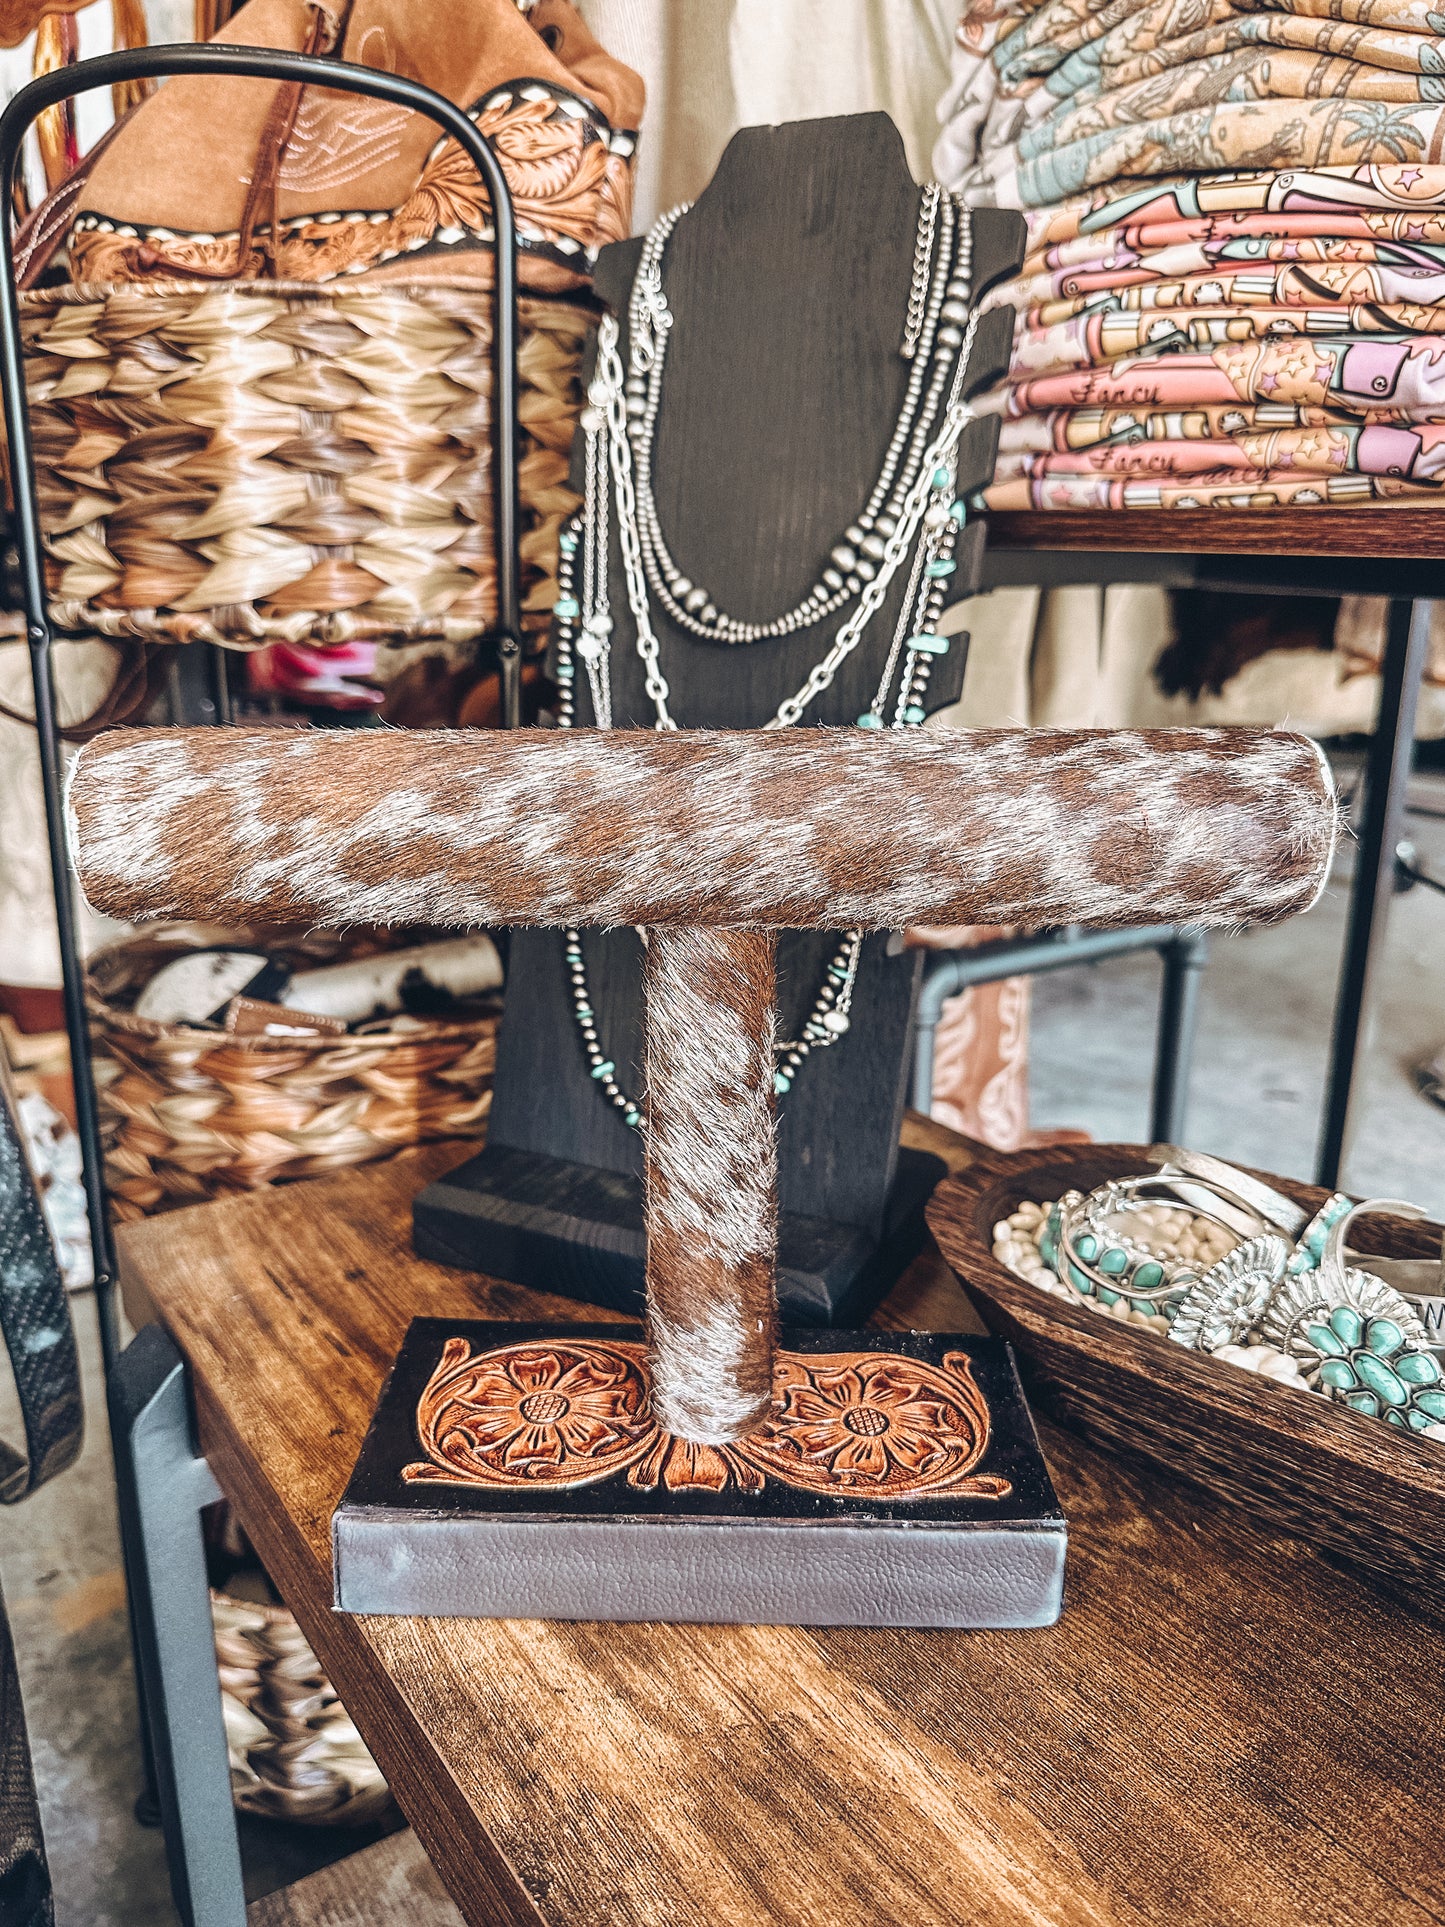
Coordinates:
[1222,1728]
[1415,533]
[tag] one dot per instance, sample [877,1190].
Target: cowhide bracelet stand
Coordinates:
[550,1471]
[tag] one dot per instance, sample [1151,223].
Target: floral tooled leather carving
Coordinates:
[544,1414]
[682,1465]
[875,1425]
[852,1425]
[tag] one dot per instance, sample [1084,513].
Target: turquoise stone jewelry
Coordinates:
[1311,1246]
[1369,1366]
[1357,1340]
[1100,1259]
[1351,1336]
[1227,1303]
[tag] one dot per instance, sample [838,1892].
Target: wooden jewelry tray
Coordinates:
[1349,1484]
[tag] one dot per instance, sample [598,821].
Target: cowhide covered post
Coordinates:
[712,840]
[711,1179]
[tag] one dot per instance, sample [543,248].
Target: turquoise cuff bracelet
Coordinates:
[1355,1337]
[1102,1260]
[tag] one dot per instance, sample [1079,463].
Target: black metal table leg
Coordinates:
[163,1484]
[1184,960]
[1184,952]
[72,969]
[220,668]
[1387,772]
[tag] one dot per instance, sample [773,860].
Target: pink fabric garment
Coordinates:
[1062,429]
[335,678]
[1355,375]
[1257,489]
[1094,340]
[1312,451]
[1310,298]
[1288,273]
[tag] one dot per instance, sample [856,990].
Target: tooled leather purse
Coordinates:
[289,169]
[262,404]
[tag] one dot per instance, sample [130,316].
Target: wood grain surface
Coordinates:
[1223,1728]
[1416,533]
[386,1884]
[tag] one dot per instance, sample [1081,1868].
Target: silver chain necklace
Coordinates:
[919,515]
[937,303]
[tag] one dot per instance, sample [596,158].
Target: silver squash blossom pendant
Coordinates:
[1227,1303]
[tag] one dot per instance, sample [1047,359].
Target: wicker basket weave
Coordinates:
[294,1752]
[262,460]
[190,1113]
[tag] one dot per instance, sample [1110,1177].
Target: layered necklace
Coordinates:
[909,525]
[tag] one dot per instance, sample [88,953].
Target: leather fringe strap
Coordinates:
[803,829]
[711,1177]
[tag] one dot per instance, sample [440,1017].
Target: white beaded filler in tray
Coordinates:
[1167,1229]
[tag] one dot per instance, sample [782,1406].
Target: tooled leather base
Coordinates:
[518,1471]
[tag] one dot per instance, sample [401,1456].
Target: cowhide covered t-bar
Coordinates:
[712,841]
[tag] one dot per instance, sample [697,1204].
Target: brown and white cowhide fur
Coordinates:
[713,840]
[809,828]
[712,1177]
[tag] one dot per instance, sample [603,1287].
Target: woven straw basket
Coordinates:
[190,1113]
[294,1752]
[263,460]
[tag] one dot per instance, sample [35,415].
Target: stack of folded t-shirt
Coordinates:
[1235,286]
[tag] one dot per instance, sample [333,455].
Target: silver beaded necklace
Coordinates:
[911,511]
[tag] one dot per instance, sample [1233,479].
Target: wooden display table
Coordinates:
[1222,1728]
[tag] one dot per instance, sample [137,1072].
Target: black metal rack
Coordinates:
[256,63]
[1411,584]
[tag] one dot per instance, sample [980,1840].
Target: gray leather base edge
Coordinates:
[709,1571]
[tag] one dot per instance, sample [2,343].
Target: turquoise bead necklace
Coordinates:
[917,527]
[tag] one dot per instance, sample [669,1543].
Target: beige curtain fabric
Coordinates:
[1360,644]
[712,66]
[1084,657]
[1076,657]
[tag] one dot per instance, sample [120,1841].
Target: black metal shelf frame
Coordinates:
[254,63]
[1412,586]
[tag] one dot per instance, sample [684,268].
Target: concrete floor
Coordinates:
[60,1570]
[61,1575]
[1255,1096]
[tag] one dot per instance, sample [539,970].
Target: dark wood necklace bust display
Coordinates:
[789,282]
